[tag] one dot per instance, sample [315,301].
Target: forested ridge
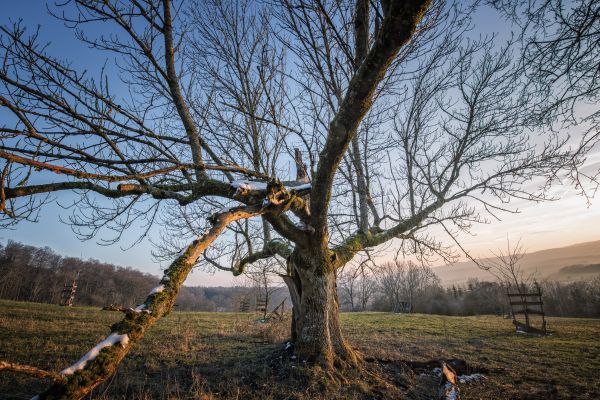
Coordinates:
[29,273]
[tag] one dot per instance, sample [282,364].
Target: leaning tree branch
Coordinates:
[272,248]
[100,362]
[375,236]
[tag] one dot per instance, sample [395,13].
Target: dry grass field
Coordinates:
[230,356]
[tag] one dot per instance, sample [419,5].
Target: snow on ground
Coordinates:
[451,392]
[461,378]
[470,378]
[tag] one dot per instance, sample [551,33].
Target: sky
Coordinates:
[565,221]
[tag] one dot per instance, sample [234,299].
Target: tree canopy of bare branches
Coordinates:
[309,130]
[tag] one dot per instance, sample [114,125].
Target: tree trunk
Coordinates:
[315,326]
[293,283]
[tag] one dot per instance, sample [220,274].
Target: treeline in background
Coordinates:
[408,287]
[29,273]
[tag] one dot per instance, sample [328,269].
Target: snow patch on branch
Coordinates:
[259,185]
[157,289]
[181,252]
[204,234]
[141,308]
[249,185]
[111,340]
[304,186]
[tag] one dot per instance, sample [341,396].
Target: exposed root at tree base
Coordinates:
[349,380]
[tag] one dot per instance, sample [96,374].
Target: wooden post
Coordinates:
[69,292]
[301,173]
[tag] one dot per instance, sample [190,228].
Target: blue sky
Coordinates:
[553,224]
[49,231]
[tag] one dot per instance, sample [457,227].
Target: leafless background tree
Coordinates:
[505,266]
[357,284]
[403,281]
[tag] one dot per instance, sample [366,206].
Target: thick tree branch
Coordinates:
[400,22]
[275,194]
[272,248]
[361,241]
[29,370]
[57,169]
[101,361]
[177,96]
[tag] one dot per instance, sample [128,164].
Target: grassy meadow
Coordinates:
[230,356]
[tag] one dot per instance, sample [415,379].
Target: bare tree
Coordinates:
[403,282]
[265,283]
[505,265]
[357,284]
[560,45]
[403,122]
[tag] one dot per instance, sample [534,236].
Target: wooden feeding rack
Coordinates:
[278,312]
[261,305]
[68,293]
[529,305]
[244,306]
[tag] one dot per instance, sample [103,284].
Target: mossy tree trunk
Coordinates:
[316,327]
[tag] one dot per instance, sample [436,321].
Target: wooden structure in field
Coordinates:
[244,305]
[69,291]
[278,311]
[261,305]
[529,306]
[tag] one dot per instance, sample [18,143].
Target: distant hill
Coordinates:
[566,264]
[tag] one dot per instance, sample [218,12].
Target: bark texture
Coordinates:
[316,326]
